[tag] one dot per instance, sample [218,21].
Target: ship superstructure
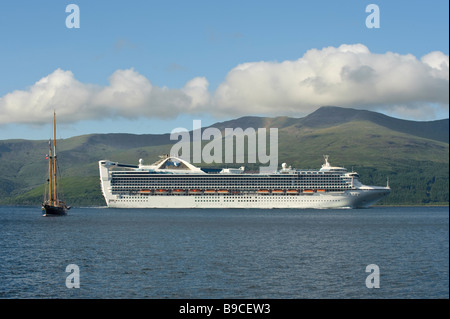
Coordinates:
[172,182]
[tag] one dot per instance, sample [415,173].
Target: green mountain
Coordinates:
[413,155]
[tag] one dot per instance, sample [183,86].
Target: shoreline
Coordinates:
[411,205]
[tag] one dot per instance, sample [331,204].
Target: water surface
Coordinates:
[215,253]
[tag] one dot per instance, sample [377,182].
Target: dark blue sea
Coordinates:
[282,254]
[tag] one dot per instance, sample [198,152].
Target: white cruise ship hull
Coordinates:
[348,199]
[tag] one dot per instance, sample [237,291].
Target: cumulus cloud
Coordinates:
[348,76]
[129,95]
[59,90]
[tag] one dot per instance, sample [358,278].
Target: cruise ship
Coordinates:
[172,182]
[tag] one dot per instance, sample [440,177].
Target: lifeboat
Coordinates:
[145,191]
[308,191]
[277,191]
[178,191]
[321,191]
[292,191]
[161,191]
[223,191]
[195,191]
[210,191]
[262,191]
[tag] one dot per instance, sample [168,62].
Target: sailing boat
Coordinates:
[52,204]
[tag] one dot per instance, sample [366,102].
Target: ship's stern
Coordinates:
[105,180]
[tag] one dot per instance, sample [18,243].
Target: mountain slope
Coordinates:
[413,156]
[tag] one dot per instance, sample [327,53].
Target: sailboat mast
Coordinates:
[54,158]
[50,173]
[52,205]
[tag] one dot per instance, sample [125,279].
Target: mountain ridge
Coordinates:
[333,115]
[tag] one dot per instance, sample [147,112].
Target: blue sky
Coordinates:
[151,66]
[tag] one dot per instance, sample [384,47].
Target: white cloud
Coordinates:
[438,61]
[129,94]
[59,90]
[197,90]
[348,76]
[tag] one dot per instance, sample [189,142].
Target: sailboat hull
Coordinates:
[54,210]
